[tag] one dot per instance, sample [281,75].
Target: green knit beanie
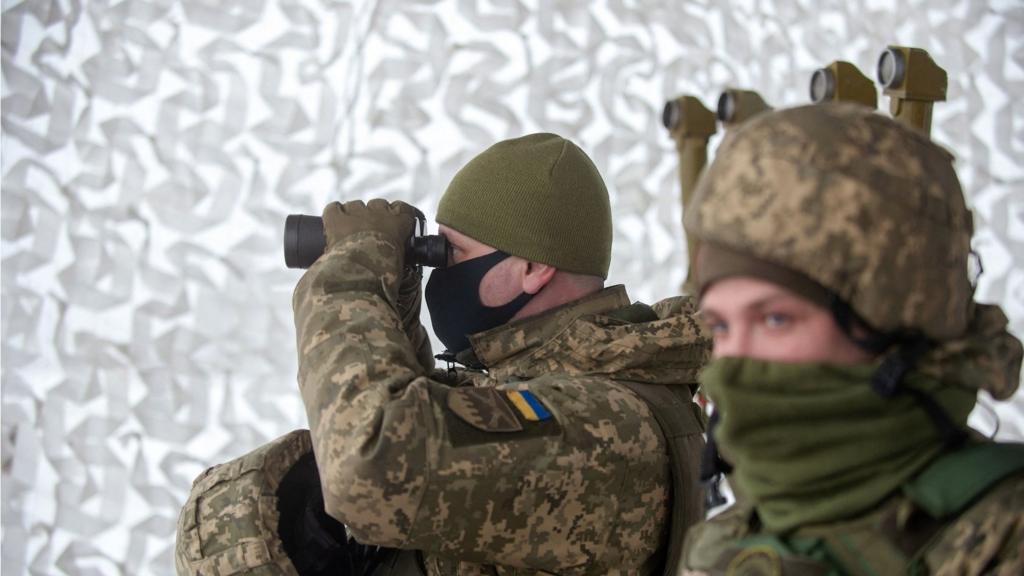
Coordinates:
[538,197]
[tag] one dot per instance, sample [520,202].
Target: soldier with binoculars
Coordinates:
[568,443]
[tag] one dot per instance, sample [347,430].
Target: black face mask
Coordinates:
[453,298]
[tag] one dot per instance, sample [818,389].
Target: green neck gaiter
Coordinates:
[813,443]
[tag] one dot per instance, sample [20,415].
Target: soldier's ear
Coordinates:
[537,276]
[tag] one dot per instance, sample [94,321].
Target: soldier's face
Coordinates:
[752,318]
[503,283]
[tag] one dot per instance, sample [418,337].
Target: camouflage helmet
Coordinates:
[855,201]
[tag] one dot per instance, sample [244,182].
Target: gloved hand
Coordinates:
[396,221]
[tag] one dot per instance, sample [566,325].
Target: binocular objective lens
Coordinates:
[891,68]
[726,106]
[823,85]
[670,114]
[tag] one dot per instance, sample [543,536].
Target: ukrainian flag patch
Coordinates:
[528,405]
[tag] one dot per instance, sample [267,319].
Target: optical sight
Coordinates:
[304,242]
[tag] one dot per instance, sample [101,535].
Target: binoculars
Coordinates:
[691,124]
[913,82]
[909,76]
[841,81]
[304,242]
[737,106]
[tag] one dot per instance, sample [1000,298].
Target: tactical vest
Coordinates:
[903,536]
[682,424]
[268,491]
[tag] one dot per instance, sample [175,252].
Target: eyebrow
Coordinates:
[770,299]
[758,304]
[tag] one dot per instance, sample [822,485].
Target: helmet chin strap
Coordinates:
[857,330]
[900,352]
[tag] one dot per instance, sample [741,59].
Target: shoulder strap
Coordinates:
[954,480]
[766,555]
[934,499]
[891,539]
[679,419]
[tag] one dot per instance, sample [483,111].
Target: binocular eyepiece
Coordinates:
[304,242]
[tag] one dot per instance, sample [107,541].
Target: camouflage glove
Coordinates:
[396,221]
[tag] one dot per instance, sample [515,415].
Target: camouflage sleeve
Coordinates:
[578,481]
[987,539]
[366,394]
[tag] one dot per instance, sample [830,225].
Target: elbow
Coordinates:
[372,499]
[374,459]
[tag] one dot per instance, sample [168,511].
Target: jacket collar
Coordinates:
[498,345]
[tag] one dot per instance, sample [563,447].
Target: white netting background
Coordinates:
[151,149]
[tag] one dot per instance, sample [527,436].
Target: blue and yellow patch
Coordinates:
[485,415]
[528,405]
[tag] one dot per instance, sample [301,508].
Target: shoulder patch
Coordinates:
[528,405]
[483,408]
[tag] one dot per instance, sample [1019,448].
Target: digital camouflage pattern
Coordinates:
[445,464]
[872,211]
[865,206]
[987,538]
[986,357]
[409,461]
[229,523]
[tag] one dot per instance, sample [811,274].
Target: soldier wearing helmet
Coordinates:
[848,353]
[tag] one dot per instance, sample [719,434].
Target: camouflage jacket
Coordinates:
[542,463]
[958,523]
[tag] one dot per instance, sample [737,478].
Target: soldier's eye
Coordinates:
[718,328]
[776,320]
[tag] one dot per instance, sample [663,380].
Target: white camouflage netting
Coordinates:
[152,148]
